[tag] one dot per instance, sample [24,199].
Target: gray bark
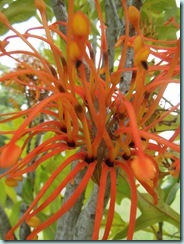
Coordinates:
[66,224]
[113,26]
[24,230]
[127,76]
[60,12]
[4,223]
[84,226]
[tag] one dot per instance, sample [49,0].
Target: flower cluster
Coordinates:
[86,111]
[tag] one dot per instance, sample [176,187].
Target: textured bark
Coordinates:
[4,223]
[84,226]
[127,76]
[113,24]
[24,230]
[66,224]
[60,12]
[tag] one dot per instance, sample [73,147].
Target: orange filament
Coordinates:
[100,202]
[133,208]
[112,203]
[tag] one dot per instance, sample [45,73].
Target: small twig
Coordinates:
[159,233]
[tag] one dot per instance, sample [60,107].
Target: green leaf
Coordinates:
[15,213]
[123,189]
[27,191]
[49,232]
[170,189]
[10,191]
[55,205]
[155,13]
[117,225]
[151,215]
[2,194]
[25,11]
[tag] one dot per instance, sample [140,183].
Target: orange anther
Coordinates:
[11,182]
[33,222]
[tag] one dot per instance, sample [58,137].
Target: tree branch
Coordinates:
[112,23]
[60,12]
[84,226]
[24,230]
[4,223]
[127,76]
[67,222]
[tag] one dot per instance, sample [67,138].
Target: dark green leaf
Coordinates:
[27,191]
[170,189]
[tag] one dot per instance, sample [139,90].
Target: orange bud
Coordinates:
[11,182]
[74,51]
[80,25]
[115,78]
[134,16]
[33,222]
[3,19]
[40,5]
[138,44]
[144,170]
[9,155]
